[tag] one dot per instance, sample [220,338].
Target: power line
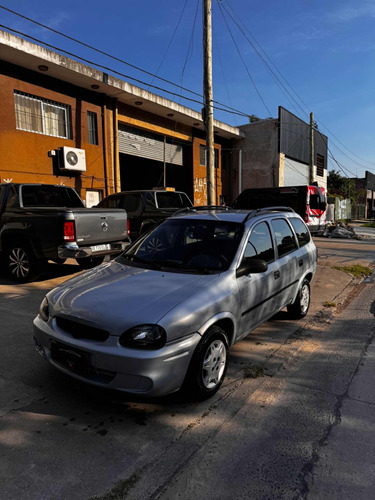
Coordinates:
[191,43]
[281,85]
[128,77]
[114,58]
[288,84]
[243,61]
[170,42]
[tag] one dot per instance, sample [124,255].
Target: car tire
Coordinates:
[59,261]
[21,263]
[301,305]
[89,262]
[208,365]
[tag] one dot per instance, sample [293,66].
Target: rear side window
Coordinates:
[303,234]
[50,196]
[111,202]
[260,244]
[131,202]
[2,192]
[285,240]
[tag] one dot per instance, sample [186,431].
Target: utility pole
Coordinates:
[208,110]
[312,154]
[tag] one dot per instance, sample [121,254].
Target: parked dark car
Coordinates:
[40,222]
[145,208]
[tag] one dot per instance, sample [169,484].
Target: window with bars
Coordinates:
[92,126]
[203,156]
[320,165]
[41,116]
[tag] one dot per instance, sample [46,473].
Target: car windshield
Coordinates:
[186,245]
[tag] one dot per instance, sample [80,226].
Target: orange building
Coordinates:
[63,122]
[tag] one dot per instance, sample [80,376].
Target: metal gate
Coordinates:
[145,145]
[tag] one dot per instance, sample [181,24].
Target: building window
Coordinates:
[203,156]
[41,116]
[320,165]
[92,125]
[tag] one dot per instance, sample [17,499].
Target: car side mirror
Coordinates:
[251,266]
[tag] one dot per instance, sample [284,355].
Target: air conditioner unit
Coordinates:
[73,159]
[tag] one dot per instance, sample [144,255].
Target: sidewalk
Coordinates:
[332,285]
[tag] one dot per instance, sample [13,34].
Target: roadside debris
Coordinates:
[341,230]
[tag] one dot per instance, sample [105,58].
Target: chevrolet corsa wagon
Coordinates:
[162,315]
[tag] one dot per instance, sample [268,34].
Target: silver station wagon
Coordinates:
[162,315]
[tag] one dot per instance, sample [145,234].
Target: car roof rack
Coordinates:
[201,208]
[258,211]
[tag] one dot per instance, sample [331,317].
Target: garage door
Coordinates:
[138,143]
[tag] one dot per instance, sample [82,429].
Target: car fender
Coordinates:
[309,276]
[218,318]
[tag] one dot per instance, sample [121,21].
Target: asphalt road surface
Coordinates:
[61,439]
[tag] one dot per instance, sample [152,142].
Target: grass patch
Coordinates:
[356,270]
[253,372]
[368,224]
[329,304]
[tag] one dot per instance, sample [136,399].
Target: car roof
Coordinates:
[226,214]
[141,191]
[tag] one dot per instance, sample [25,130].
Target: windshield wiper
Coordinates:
[134,258]
[172,264]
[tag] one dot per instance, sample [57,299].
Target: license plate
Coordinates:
[74,359]
[100,248]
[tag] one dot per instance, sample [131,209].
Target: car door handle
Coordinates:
[276,275]
[300,262]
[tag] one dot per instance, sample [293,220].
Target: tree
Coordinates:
[342,186]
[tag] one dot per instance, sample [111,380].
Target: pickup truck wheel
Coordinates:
[89,262]
[58,261]
[209,365]
[300,306]
[21,263]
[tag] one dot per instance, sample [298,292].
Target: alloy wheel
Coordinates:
[19,263]
[305,298]
[214,364]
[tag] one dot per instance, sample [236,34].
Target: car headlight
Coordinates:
[44,309]
[144,337]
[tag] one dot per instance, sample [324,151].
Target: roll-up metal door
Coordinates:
[138,143]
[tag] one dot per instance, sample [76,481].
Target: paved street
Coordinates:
[61,439]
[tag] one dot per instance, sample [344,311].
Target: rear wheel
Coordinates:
[89,262]
[301,305]
[21,262]
[209,364]
[58,260]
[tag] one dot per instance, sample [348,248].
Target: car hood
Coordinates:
[116,297]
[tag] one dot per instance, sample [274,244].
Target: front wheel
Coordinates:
[209,364]
[89,262]
[301,305]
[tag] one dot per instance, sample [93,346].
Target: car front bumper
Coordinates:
[108,364]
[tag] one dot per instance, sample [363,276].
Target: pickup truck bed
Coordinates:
[31,234]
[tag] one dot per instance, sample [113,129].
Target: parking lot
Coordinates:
[62,439]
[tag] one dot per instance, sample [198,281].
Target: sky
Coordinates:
[305,55]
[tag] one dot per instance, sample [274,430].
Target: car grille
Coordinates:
[81,331]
